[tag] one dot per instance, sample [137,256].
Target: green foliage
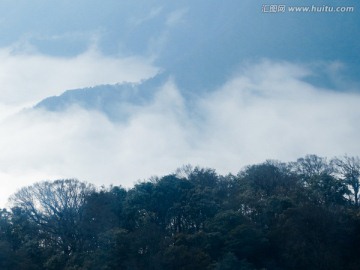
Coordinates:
[299,215]
[231,262]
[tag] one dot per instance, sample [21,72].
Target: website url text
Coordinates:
[306,9]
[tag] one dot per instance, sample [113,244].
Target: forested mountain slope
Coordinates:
[273,215]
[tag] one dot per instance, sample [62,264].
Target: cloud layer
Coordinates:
[27,76]
[265,111]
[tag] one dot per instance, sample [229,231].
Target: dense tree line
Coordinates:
[273,215]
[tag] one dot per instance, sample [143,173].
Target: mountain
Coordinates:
[114,100]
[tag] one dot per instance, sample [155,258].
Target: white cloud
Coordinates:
[270,112]
[158,43]
[153,13]
[176,17]
[265,111]
[27,77]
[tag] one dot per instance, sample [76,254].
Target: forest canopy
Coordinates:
[273,215]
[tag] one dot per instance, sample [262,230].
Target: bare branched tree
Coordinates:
[349,169]
[56,207]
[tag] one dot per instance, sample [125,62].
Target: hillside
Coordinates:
[273,215]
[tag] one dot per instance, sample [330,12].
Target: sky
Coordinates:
[243,85]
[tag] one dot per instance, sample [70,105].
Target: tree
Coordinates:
[326,189]
[103,211]
[311,237]
[268,179]
[312,166]
[271,215]
[349,169]
[231,262]
[189,251]
[56,208]
[7,254]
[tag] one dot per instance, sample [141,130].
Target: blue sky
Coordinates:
[212,35]
[262,85]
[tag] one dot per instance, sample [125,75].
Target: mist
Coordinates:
[266,110]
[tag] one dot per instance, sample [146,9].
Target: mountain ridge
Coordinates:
[111,99]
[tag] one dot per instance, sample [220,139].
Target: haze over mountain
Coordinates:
[115,101]
[159,84]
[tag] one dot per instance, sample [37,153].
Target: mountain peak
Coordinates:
[111,99]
